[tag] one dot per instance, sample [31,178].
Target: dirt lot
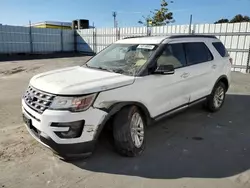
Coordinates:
[192,149]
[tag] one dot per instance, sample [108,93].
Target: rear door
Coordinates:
[223,62]
[199,69]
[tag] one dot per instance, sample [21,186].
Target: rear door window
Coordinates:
[221,49]
[197,52]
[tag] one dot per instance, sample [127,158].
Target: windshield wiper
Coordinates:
[105,69]
[100,68]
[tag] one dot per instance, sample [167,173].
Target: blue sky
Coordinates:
[19,12]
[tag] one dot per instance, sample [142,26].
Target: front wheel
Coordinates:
[128,130]
[216,100]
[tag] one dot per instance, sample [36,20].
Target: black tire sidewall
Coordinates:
[210,102]
[122,132]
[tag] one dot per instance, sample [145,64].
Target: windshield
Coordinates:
[125,59]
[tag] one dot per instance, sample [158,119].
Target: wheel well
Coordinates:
[144,112]
[140,106]
[115,109]
[224,81]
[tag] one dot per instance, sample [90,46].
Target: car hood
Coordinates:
[79,80]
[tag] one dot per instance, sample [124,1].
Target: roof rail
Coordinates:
[135,37]
[173,36]
[192,36]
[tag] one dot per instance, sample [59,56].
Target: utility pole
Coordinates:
[114,14]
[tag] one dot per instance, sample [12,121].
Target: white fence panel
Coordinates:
[16,39]
[85,40]
[105,37]
[132,32]
[67,40]
[235,37]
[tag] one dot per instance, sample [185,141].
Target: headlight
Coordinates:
[74,104]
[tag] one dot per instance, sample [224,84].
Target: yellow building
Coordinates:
[53,25]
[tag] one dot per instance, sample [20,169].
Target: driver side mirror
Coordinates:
[164,69]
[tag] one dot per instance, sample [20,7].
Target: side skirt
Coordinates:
[178,109]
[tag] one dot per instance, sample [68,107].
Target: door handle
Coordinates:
[185,75]
[214,66]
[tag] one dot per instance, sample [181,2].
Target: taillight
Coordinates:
[231,60]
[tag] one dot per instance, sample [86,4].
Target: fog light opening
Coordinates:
[75,129]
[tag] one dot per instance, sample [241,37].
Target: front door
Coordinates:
[163,93]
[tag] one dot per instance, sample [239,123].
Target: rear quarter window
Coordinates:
[221,49]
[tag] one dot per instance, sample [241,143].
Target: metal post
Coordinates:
[118,33]
[75,40]
[94,41]
[190,24]
[248,61]
[149,31]
[61,38]
[30,36]
[147,27]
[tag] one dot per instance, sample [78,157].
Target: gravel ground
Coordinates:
[192,149]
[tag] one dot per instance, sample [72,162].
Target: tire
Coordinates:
[124,133]
[218,90]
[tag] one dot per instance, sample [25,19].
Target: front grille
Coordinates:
[38,100]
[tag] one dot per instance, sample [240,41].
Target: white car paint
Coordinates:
[142,40]
[199,76]
[93,118]
[158,93]
[78,81]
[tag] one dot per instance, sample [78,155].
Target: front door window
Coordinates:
[173,54]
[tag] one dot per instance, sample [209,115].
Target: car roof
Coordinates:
[142,40]
[158,39]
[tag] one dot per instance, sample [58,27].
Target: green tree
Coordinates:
[222,21]
[240,18]
[159,17]
[236,19]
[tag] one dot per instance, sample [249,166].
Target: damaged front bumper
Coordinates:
[51,129]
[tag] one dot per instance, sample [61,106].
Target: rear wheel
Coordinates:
[128,130]
[216,100]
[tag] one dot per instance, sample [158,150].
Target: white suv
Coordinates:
[130,84]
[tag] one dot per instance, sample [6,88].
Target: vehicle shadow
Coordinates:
[191,144]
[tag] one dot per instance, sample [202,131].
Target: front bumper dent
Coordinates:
[40,126]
